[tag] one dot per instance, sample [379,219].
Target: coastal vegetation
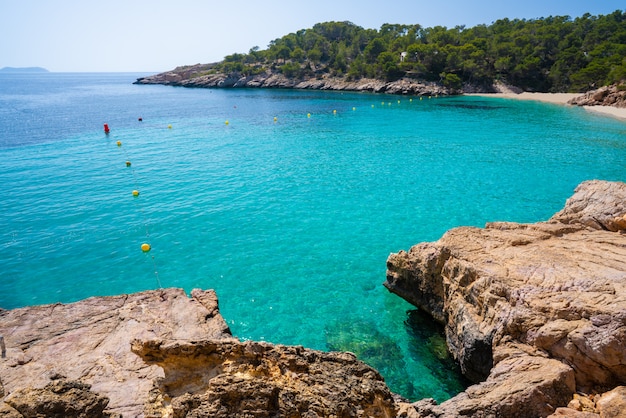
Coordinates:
[553,54]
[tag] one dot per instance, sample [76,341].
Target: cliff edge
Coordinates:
[534,313]
[163,354]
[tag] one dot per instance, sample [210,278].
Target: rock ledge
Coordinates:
[533,312]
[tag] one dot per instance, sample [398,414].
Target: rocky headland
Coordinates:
[608,99]
[534,313]
[200,75]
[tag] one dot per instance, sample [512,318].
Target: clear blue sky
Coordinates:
[158,35]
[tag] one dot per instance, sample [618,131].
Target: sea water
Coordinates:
[287,203]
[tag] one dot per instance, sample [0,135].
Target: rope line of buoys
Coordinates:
[146,247]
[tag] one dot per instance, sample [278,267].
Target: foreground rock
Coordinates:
[533,313]
[162,354]
[228,379]
[89,342]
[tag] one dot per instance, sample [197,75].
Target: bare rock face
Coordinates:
[89,342]
[231,379]
[60,398]
[556,291]
[163,354]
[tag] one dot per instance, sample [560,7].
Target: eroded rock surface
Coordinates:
[229,378]
[89,342]
[163,354]
[60,398]
[533,312]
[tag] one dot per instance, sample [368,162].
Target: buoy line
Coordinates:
[146,246]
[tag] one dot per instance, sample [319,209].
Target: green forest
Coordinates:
[553,54]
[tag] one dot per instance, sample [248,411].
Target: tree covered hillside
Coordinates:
[548,54]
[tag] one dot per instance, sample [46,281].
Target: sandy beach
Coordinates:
[557,98]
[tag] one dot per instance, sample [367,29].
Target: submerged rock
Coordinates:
[533,312]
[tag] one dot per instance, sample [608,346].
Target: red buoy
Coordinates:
[106,128]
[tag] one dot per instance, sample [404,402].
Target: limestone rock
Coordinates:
[233,379]
[557,287]
[89,341]
[596,204]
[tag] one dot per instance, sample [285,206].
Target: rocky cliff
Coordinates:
[200,76]
[534,313]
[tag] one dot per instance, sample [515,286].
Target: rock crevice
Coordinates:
[555,288]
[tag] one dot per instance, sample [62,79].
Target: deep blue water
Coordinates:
[289,219]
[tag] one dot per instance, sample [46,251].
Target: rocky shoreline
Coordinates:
[200,76]
[535,314]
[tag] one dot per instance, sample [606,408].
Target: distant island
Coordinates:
[23,70]
[553,54]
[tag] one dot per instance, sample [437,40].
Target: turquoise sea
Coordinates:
[288,211]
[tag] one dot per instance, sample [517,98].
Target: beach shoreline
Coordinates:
[557,98]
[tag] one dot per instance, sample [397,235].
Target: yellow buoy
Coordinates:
[372,106]
[410,100]
[354,108]
[127,163]
[145,247]
[421,98]
[169,126]
[226,123]
[398,101]
[334,112]
[119,143]
[308,115]
[275,118]
[135,193]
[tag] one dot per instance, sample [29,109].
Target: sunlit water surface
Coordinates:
[287,203]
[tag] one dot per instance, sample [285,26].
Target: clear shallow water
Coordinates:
[291,220]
